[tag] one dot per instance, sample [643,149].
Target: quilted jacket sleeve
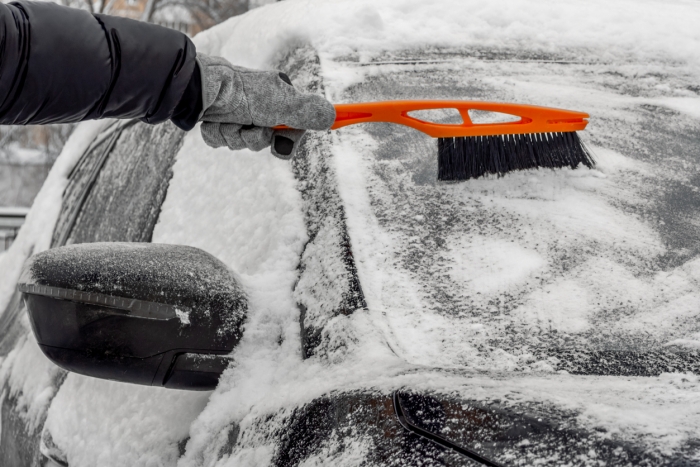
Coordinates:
[60,65]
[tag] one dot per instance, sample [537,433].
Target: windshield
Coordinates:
[583,271]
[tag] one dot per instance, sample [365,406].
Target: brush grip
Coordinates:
[533,119]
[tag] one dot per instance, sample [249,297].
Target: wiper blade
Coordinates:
[437,439]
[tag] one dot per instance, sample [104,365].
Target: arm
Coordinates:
[60,65]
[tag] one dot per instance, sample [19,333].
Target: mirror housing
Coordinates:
[144,313]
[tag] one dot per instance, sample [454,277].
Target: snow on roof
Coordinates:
[597,29]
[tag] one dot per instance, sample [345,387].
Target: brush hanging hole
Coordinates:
[442,116]
[483,116]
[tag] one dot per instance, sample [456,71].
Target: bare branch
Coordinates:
[149,9]
[109,6]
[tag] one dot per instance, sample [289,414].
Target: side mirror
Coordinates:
[144,313]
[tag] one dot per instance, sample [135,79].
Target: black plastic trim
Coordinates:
[169,361]
[440,441]
[134,307]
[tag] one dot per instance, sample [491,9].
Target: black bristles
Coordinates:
[475,156]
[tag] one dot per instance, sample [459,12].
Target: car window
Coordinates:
[565,269]
[117,188]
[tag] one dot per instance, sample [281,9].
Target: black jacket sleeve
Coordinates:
[60,65]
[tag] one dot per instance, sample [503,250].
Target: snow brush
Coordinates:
[543,137]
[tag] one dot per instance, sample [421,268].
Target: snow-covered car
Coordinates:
[540,318]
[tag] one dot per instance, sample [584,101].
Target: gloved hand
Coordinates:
[240,107]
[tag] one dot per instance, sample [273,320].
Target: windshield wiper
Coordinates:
[437,439]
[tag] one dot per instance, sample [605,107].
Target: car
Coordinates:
[545,317]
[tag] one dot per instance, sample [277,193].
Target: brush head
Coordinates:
[463,158]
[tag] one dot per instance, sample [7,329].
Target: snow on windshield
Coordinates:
[544,250]
[477,274]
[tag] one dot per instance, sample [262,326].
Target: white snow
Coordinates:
[183,316]
[576,204]
[99,422]
[594,29]
[31,379]
[687,105]
[244,208]
[320,257]
[492,265]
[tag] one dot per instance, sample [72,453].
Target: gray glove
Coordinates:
[240,107]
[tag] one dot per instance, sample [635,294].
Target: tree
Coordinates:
[197,14]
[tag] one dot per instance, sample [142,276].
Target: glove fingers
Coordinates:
[219,135]
[256,138]
[234,136]
[211,135]
[286,142]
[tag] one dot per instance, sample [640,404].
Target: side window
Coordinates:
[117,188]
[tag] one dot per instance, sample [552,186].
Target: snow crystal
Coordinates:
[183,316]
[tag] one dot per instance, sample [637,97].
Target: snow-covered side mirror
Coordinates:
[161,315]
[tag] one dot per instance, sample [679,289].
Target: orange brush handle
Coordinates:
[533,119]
